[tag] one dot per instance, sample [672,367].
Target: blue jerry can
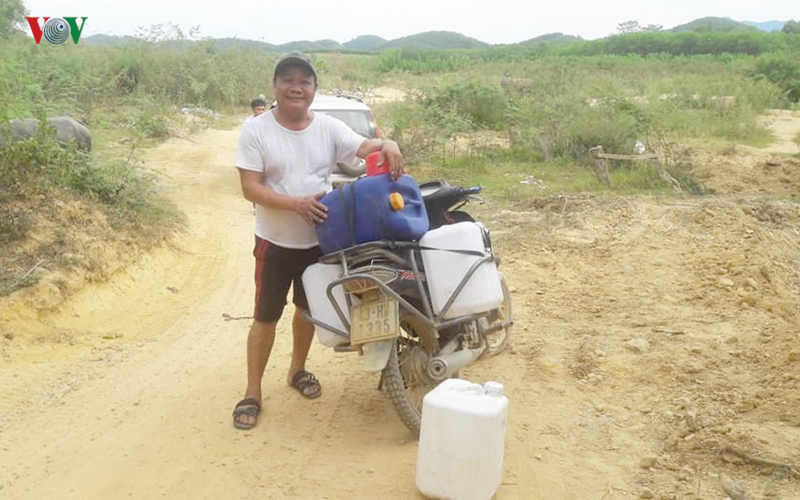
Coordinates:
[370,209]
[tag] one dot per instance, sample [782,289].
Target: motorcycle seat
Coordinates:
[438,189]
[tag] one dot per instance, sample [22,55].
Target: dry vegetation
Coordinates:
[655,351]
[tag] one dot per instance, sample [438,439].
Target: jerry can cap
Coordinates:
[493,388]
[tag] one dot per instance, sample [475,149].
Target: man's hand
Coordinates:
[311,209]
[390,152]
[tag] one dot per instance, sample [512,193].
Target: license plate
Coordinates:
[373,321]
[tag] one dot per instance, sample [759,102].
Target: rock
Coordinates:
[731,458]
[746,405]
[725,282]
[646,493]
[648,462]
[637,345]
[48,296]
[66,130]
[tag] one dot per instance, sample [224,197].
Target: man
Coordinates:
[284,160]
[258,105]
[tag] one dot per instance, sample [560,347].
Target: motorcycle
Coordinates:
[443,202]
[384,305]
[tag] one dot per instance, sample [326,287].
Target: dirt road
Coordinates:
[655,354]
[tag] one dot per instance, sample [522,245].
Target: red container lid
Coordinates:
[375,168]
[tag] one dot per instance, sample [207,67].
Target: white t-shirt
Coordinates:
[294,163]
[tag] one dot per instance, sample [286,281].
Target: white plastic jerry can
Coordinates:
[462,440]
[316,279]
[445,269]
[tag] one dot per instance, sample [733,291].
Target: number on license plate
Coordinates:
[372,321]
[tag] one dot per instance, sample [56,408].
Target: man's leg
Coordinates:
[303,334]
[272,279]
[259,346]
[303,330]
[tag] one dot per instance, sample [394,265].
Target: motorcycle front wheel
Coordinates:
[459,216]
[405,377]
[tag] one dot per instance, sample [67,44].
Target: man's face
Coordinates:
[257,110]
[295,89]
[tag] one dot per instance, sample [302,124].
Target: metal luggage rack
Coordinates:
[392,251]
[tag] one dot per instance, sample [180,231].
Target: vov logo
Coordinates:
[56,30]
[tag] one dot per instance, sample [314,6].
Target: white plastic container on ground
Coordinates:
[316,279]
[444,270]
[462,440]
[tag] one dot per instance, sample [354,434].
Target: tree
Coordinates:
[791,27]
[629,27]
[12,17]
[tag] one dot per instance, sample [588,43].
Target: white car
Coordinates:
[358,116]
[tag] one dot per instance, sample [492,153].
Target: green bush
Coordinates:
[421,61]
[783,71]
[481,105]
[38,166]
[130,194]
[14,224]
[408,123]
[31,166]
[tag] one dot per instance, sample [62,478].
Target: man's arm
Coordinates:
[390,152]
[308,207]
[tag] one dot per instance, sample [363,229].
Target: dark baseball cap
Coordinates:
[294,59]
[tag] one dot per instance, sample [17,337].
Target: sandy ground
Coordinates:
[655,356]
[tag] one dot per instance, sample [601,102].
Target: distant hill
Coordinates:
[552,38]
[437,40]
[365,42]
[708,24]
[306,46]
[434,40]
[227,43]
[767,26]
[441,40]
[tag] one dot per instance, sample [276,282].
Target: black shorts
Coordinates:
[277,268]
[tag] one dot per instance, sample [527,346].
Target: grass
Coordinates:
[570,105]
[505,177]
[131,97]
[51,197]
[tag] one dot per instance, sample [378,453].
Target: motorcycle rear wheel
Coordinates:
[405,376]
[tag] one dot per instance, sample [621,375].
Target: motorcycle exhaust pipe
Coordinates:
[442,367]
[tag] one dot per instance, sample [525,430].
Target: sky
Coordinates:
[490,21]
